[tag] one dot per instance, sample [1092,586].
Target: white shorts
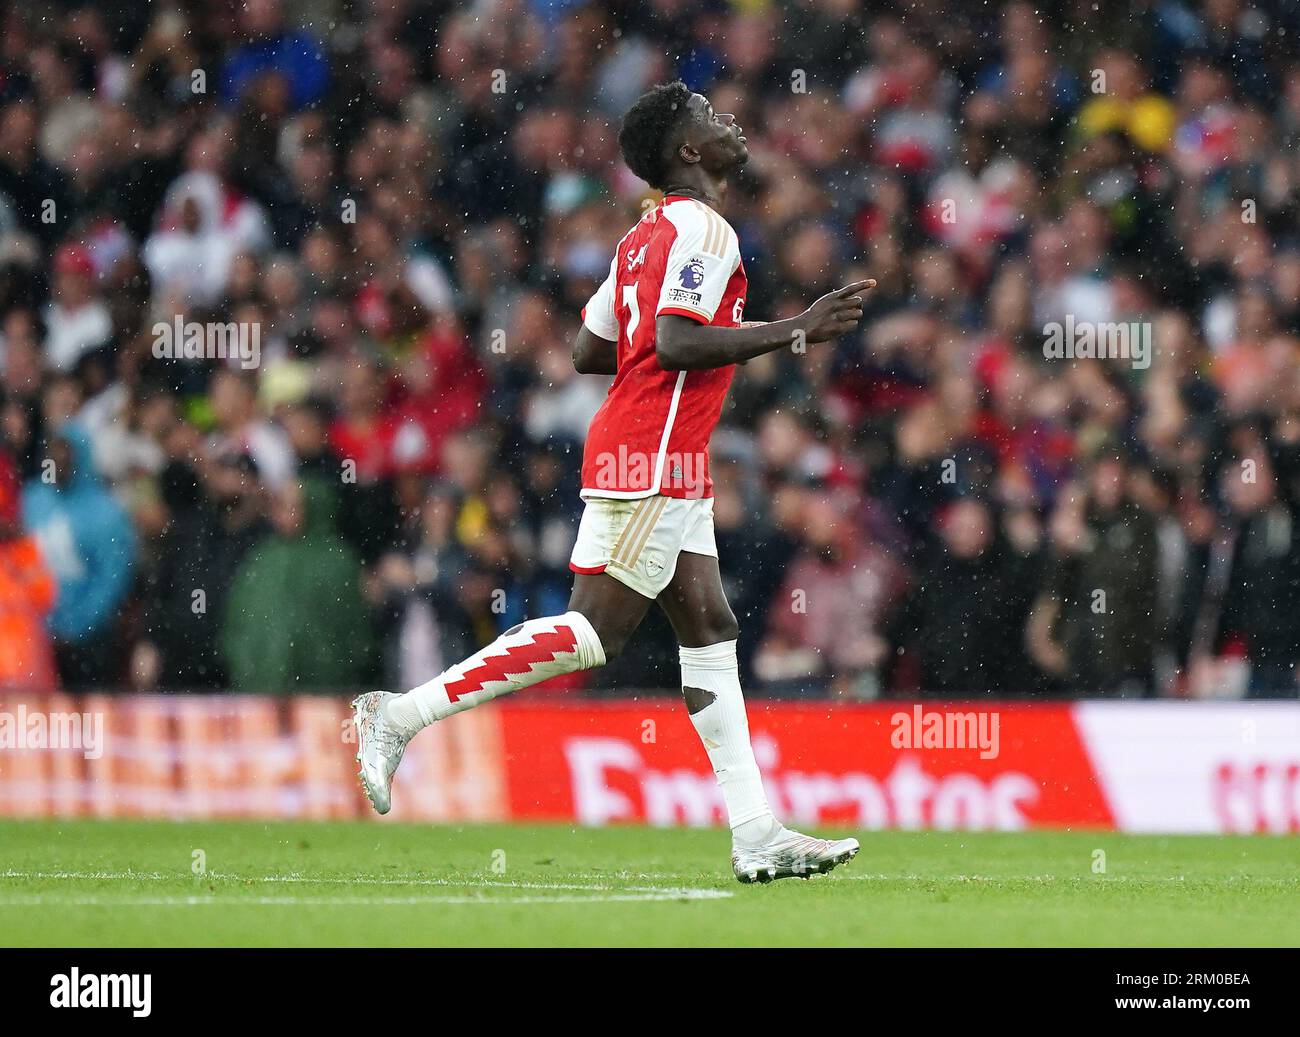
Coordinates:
[637,541]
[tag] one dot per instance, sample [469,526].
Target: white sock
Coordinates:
[528,654]
[724,730]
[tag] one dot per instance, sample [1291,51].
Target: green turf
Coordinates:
[131,884]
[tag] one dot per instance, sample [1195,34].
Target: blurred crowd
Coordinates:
[407,202]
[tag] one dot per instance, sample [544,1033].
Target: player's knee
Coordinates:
[613,638]
[730,632]
[721,627]
[613,647]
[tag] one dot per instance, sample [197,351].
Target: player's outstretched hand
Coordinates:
[836,313]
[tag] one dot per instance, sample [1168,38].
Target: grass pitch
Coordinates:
[90,883]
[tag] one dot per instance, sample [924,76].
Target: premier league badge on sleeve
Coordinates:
[690,277]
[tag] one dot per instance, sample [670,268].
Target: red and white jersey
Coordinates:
[651,435]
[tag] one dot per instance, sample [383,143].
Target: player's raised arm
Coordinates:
[682,344]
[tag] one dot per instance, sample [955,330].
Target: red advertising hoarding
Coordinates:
[1143,766]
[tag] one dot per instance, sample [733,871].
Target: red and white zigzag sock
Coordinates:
[528,654]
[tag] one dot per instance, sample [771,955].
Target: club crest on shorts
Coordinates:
[654,565]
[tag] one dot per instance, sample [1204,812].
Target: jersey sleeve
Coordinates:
[598,314]
[700,262]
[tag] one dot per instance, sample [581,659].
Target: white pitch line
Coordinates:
[602,891]
[48,900]
[1094,879]
[156,876]
[15,874]
[839,876]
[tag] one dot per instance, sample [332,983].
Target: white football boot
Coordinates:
[379,748]
[790,855]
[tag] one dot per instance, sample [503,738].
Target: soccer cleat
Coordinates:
[790,855]
[379,748]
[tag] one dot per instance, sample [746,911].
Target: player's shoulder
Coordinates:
[705,228]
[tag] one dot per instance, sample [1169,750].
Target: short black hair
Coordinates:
[647,128]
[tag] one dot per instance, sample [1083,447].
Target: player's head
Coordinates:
[671,135]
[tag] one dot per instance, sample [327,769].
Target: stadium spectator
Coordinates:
[76,320]
[294,618]
[1096,626]
[273,49]
[1264,573]
[967,589]
[825,630]
[215,517]
[88,541]
[27,593]
[241,428]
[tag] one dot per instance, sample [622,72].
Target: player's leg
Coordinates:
[602,615]
[604,610]
[706,628]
